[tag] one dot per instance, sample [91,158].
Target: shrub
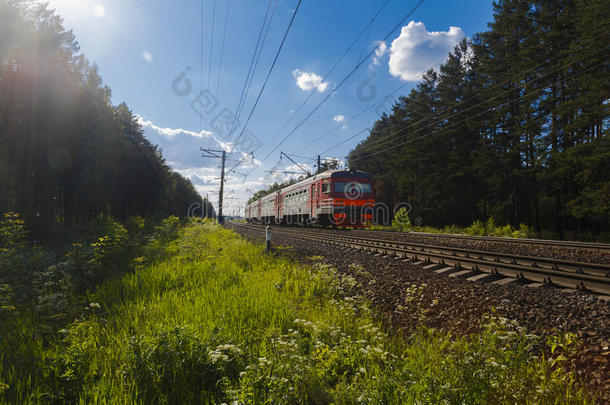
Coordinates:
[401,221]
[12,232]
[111,251]
[177,367]
[169,228]
[477,228]
[525,231]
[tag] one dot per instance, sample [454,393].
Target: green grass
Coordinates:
[491,228]
[222,321]
[478,228]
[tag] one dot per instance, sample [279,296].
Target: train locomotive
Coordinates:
[335,198]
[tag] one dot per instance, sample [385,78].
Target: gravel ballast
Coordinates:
[457,306]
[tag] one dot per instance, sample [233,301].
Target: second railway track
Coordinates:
[466,263]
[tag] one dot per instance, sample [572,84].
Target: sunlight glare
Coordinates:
[99,10]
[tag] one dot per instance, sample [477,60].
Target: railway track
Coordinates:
[474,265]
[540,242]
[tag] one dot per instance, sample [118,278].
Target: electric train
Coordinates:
[336,198]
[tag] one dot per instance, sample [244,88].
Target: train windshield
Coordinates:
[353,187]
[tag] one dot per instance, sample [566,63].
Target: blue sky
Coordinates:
[142,46]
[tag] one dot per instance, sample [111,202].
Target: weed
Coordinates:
[219,320]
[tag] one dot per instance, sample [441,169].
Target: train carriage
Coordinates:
[333,198]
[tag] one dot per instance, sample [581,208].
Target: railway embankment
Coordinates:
[458,306]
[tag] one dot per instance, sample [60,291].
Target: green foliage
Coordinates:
[67,154]
[12,232]
[18,264]
[169,228]
[477,228]
[513,125]
[177,367]
[401,221]
[413,304]
[6,307]
[221,321]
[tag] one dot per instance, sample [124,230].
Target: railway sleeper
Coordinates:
[595,284]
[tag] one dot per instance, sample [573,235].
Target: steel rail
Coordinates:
[542,242]
[570,274]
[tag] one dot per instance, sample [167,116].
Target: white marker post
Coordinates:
[268,238]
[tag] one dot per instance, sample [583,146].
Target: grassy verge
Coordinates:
[402,223]
[221,321]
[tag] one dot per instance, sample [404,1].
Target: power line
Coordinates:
[347,140]
[258,56]
[253,62]
[303,157]
[474,116]
[346,78]
[277,54]
[201,64]
[349,48]
[387,139]
[222,48]
[382,140]
[238,163]
[495,86]
[211,44]
[381,100]
[478,95]
[294,161]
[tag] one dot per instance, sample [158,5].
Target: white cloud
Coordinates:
[181,146]
[147,56]
[98,10]
[170,132]
[416,49]
[380,50]
[309,80]
[180,149]
[339,118]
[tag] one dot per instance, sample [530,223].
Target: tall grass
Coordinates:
[478,228]
[222,321]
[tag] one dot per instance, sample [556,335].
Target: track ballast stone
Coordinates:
[458,306]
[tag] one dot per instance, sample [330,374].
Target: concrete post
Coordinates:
[268,238]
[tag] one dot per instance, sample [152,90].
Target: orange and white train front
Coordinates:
[339,198]
[344,199]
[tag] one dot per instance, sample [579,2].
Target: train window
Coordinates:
[326,188]
[355,188]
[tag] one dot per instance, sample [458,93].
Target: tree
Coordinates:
[513,126]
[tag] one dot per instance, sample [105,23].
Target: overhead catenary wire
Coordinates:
[394,146]
[485,91]
[327,74]
[277,54]
[352,118]
[477,95]
[211,45]
[251,68]
[345,79]
[387,139]
[236,122]
[222,48]
[201,61]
